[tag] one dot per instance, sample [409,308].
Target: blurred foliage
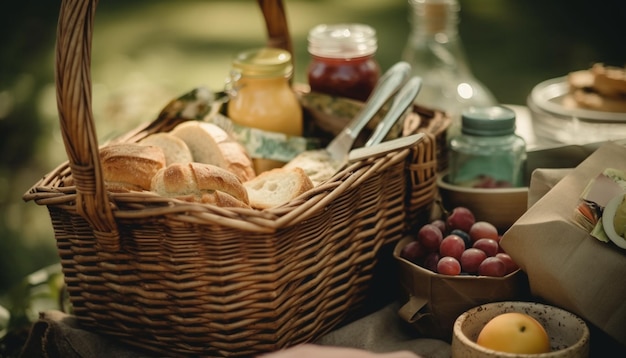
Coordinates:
[19,308]
[24,73]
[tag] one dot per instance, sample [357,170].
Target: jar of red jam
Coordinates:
[342,60]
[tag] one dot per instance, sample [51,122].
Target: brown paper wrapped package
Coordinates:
[564,264]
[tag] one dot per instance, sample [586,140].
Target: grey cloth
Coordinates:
[383,331]
[57,334]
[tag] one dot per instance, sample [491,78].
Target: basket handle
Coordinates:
[73,83]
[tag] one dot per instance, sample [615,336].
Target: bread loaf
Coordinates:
[130,166]
[276,187]
[210,144]
[174,148]
[200,182]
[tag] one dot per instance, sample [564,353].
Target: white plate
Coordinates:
[548,96]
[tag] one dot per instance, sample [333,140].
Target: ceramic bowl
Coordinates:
[569,334]
[500,206]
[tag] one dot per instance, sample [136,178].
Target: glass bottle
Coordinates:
[435,52]
[261,96]
[343,60]
[487,153]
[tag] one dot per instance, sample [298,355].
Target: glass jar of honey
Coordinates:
[261,96]
[342,60]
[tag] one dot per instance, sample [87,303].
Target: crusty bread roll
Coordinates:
[276,187]
[210,144]
[174,148]
[130,166]
[200,182]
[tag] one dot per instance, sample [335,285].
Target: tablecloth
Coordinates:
[57,334]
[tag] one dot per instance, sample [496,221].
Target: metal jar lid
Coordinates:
[342,41]
[263,62]
[488,121]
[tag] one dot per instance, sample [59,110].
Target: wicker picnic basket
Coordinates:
[179,278]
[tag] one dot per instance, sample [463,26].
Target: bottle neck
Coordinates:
[434,31]
[435,18]
[436,53]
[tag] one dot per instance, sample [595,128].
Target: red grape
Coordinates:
[431,260]
[440,224]
[430,237]
[449,266]
[483,230]
[413,251]
[459,245]
[471,259]
[509,264]
[489,246]
[452,245]
[460,218]
[492,266]
[465,236]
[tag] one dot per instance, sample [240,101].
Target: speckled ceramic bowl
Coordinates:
[569,335]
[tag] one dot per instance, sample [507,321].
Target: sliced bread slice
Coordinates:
[210,144]
[276,187]
[174,148]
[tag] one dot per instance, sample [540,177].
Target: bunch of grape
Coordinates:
[459,245]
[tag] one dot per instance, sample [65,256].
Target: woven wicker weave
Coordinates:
[179,278]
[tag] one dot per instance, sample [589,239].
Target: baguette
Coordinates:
[276,187]
[174,148]
[209,144]
[130,166]
[200,182]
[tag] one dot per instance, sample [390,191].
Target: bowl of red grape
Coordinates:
[451,264]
